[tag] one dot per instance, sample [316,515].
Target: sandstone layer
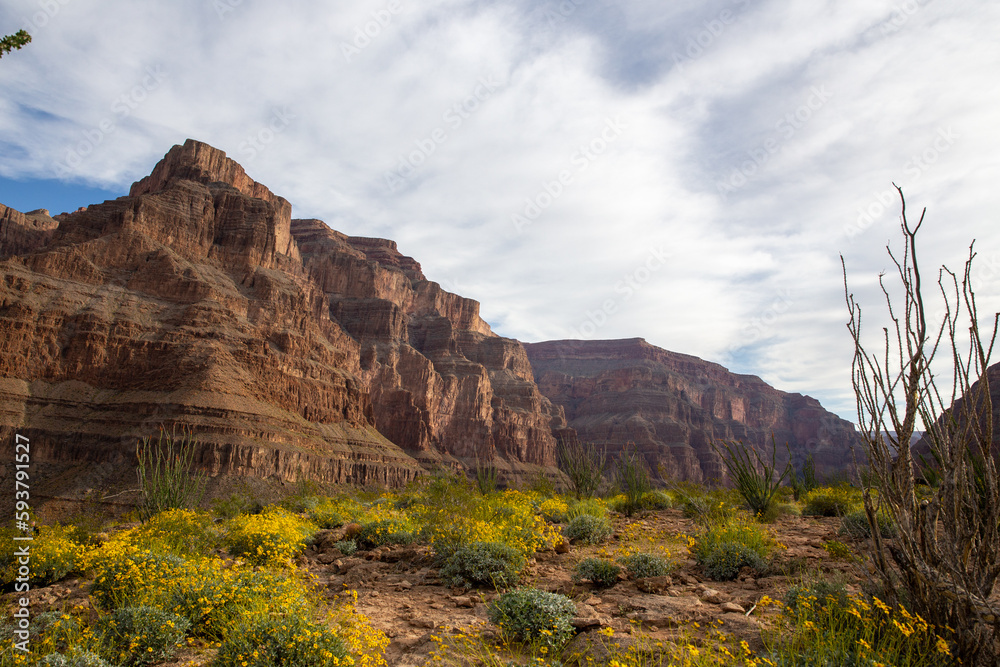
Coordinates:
[672,407]
[291,350]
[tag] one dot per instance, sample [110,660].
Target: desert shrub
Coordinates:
[724,548]
[656,500]
[166,473]
[531,615]
[554,509]
[584,465]
[451,515]
[838,550]
[271,538]
[54,554]
[491,563]
[829,627]
[588,529]
[724,562]
[753,476]
[134,636]
[215,597]
[857,526]
[384,531]
[74,659]
[642,565]
[829,501]
[326,514]
[592,506]
[179,531]
[706,507]
[816,592]
[346,547]
[632,480]
[602,573]
[291,640]
[125,575]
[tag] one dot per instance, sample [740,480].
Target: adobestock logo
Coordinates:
[365,34]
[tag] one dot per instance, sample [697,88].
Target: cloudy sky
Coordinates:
[686,171]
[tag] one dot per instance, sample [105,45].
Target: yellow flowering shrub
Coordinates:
[854,630]
[273,537]
[365,643]
[54,554]
[181,531]
[554,509]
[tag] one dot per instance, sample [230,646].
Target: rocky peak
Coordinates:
[201,163]
[671,406]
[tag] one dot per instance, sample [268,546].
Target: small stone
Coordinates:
[464,602]
[562,547]
[712,596]
[732,608]
[436,605]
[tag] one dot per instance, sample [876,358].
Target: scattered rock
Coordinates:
[732,608]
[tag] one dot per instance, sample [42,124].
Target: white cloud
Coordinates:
[487,105]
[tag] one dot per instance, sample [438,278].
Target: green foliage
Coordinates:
[808,481]
[632,480]
[134,636]
[838,550]
[15,41]
[183,532]
[271,538]
[820,591]
[584,465]
[74,659]
[346,547]
[657,500]
[706,508]
[588,529]
[384,531]
[588,506]
[491,563]
[724,548]
[830,501]
[289,640]
[822,625]
[531,615]
[166,474]
[487,477]
[725,560]
[753,476]
[602,573]
[54,554]
[642,565]
[856,525]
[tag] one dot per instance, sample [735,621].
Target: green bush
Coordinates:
[528,615]
[588,529]
[856,525]
[754,477]
[135,636]
[642,565]
[167,474]
[823,590]
[632,479]
[346,547]
[491,563]
[381,532]
[724,548]
[656,500]
[602,573]
[588,506]
[270,538]
[584,465]
[326,518]
[724,562]
[289,640]
[74,659]
[180,531]
[829,502]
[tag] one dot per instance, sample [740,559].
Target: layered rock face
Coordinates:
[673,406]
[289,349]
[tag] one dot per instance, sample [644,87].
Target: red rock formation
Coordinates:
[189,303]
[672,406]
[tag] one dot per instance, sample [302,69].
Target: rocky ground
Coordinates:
[400,591]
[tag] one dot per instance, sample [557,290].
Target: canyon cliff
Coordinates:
[293,351]
[671,407]
[290,350]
